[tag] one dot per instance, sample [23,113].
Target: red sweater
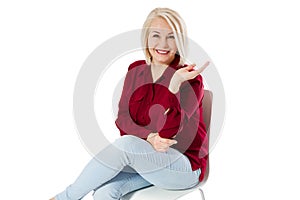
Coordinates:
[147,107]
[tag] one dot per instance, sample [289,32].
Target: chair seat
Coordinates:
[154,193]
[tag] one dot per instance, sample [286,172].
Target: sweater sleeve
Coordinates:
[124,121]
[181,106]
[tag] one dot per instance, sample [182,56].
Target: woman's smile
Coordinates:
[162,52]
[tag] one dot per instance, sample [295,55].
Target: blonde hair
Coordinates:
[177,25]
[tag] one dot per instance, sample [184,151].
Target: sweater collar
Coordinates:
[173,66]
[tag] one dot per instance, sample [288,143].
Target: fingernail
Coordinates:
[195,68]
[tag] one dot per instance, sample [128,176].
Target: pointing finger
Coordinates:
[190,67]
[201,69]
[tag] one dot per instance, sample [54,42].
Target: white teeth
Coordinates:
[162,51]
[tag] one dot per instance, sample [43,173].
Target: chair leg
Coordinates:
[202,193]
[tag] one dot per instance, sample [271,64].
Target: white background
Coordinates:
[254,45]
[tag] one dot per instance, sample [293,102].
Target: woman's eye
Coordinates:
[171,37]
[155,35]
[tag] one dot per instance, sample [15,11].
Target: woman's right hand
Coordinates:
[160,144]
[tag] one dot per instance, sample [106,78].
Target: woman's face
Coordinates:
[161,42]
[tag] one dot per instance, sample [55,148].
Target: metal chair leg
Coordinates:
[202,193]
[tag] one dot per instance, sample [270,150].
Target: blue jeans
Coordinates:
[128,164]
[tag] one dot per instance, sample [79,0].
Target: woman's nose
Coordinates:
[163,43]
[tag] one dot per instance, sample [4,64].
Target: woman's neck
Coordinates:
[157,71]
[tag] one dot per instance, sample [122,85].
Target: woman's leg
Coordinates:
[170,170]
[120,185]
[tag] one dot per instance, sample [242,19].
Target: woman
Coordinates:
[160,102]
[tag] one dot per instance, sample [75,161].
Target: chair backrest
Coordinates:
[207,109]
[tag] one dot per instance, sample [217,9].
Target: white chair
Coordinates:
[154,193]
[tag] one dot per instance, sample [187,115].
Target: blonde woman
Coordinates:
[163,137]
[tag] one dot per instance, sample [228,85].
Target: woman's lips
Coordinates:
[162,52]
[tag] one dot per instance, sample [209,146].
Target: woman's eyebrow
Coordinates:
[155,32]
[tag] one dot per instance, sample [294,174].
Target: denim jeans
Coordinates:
[128,164]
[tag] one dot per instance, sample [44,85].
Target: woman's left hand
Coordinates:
[160,144]
[184,74]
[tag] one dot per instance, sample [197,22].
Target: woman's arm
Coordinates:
[184,97]
[181,106]
[124,122]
